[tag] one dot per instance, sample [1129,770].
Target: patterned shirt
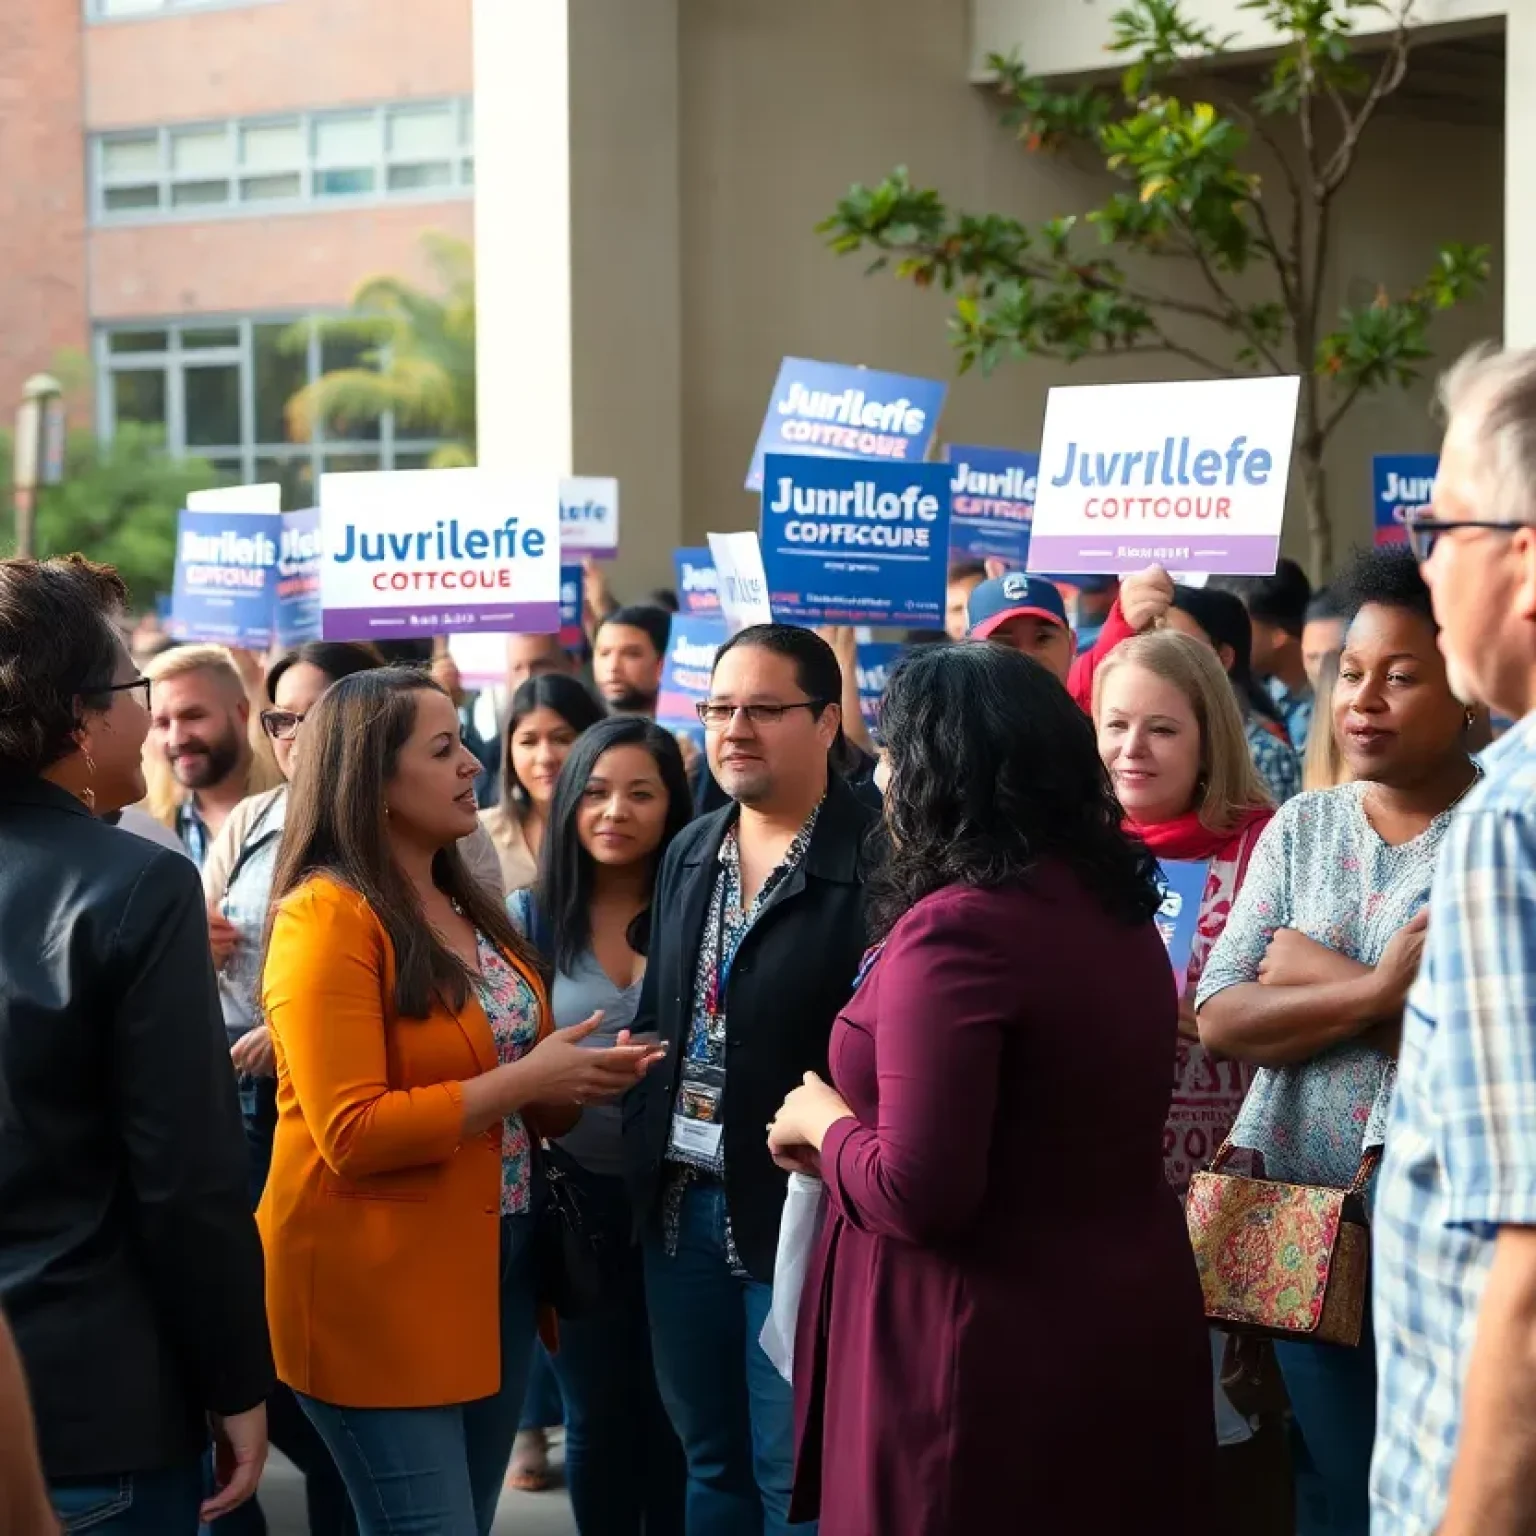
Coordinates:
[1461,1150]
[1278,764]
[701,1093]
[513,1010]
[1295,710]
[193,831]
[1322,869]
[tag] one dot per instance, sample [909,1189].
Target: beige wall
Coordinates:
[786,102]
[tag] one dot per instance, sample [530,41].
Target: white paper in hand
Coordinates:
[804,1210]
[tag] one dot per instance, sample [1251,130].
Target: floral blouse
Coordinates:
[513,1010]
[1322,869]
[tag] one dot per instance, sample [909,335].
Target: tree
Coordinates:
[1247,269]
[118,504]
[419,360]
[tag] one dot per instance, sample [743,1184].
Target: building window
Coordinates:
[417,149]
[219,389]
[113,10]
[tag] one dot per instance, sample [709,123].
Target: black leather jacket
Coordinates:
[130,1265]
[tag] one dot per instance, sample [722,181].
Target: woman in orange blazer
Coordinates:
[414,1047]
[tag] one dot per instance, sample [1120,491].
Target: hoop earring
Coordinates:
[88,794]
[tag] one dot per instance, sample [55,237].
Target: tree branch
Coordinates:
[1388,78]
[1234,316]
[1337,414]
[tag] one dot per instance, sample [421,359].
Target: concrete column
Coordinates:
[1520,175]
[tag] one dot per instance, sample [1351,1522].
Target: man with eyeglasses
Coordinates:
[1455,1211]
[764,931]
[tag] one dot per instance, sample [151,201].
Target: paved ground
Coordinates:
[522,1514]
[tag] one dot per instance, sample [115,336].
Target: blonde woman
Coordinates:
[1323,765]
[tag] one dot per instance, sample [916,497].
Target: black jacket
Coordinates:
[130,1265]
[792,975]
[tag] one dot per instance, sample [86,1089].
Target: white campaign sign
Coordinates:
[1189,475]
[425,552]
[589,515]
[743,584]
[266,497]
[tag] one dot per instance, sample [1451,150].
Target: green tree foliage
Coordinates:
[1214,248]
[118,504]
[419,357]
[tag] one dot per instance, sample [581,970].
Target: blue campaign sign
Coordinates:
[685,674]
[572,635]
[1183,884]
[296,615]
[875,661]
[831,410]
[225,589]
[850,541]
[992,502]
[1400,483]
[698,583]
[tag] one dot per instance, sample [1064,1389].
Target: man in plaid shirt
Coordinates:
[1455,1211]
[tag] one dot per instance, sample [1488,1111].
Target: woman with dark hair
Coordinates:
[129,1264]
[414,1050]
[547,714]
[622,797]
[1221,621]
[1307,981]
[1000,1238]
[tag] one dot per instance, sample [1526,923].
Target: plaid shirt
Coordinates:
[1461,1144]
[193,831]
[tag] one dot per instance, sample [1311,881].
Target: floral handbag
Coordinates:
[1289,1261]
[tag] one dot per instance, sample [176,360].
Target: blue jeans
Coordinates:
[623,1463]
[733,1412]
[162,1503]
[438,1471]
[543,1407]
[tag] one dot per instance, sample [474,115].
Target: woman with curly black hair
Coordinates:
[1004,1265]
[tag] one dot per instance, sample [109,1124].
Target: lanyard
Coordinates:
[723,965]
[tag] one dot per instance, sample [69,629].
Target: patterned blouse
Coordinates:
[1278,763]
[1322,869]
[513,1010]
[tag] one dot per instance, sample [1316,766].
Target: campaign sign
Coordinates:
[685,673]
[874,664]
[1189,475]
[830,410]
[1183,886]
[589,516]
[743,585]
[296,617]
[992,500]
[698,583]
[424,552]
[226,578]
[1401,483]
[850,541]
[572,635]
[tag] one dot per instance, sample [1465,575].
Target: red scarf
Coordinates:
[1187,837]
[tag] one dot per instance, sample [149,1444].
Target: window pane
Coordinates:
[411,460]
[467,172]
[213,405]
[467,123]
[139,395]
[138,341]
[295,477]
[127,7]
[262,189]
[349,139]
[123,199]
[228,469]
[210,336]
[416,132]
[125,157]
[197,151]
[408,178]
[345,463]
[198,194]
[337,353]
[264,146]
[281,371]
[343,183]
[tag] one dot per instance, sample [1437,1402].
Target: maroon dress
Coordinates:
[1001,1329]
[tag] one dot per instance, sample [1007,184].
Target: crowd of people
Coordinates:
[390,1075]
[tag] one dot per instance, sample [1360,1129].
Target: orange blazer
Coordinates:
[380,1221]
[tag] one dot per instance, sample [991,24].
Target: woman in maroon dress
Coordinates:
[1001,1328]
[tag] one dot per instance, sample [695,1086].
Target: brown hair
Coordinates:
[1229,784]
[335,827]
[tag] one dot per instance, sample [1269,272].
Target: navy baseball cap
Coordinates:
[1013,596]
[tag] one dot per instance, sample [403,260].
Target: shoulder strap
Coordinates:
[254,840]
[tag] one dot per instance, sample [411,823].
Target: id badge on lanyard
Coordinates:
[696,1119]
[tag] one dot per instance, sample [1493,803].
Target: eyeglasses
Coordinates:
[716,716]
[1424,532]
[138,683]
[281,724]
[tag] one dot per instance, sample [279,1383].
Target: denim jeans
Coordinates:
[732,1410]
[623,1463]
[543,1406]
[162,1503]
[438,1471]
